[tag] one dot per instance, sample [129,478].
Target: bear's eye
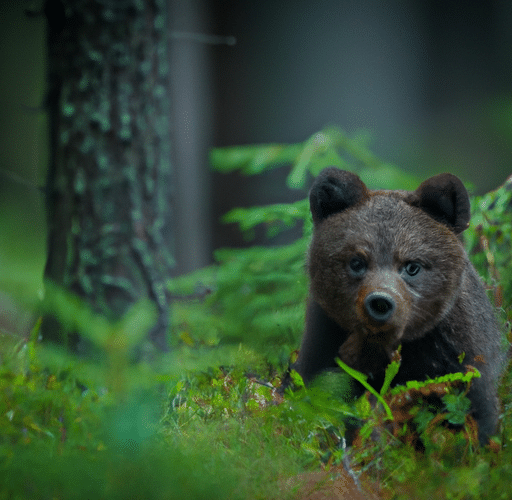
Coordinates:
[412,268]
[357,266]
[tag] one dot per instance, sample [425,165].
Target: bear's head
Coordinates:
[386,265]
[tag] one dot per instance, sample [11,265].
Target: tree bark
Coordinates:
[108,188]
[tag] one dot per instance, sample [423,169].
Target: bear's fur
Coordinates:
[388,268]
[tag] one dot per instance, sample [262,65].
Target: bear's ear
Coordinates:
[333,191]
[445,199]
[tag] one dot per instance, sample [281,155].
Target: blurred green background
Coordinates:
[23,159]
[429,81]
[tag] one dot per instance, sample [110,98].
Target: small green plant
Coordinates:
[362,379]
[489,240]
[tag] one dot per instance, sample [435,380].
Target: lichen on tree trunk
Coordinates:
[109,182]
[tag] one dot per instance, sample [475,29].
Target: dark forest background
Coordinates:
[430,81]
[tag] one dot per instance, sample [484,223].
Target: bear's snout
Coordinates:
[380,306]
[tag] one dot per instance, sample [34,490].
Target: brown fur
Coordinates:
[363,315]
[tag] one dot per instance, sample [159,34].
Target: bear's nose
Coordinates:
[380,306]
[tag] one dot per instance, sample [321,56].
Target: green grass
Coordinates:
[214,433]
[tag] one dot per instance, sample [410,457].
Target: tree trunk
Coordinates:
[109,180]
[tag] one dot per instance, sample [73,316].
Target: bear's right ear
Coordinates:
[333,191]
[445,199]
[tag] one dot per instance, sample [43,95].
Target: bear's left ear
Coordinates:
[334,191]
[445,199]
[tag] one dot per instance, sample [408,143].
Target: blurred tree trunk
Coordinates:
[109,175]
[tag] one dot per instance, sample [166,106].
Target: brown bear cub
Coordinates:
[387,268]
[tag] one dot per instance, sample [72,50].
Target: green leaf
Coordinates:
[136,323]
[297,379]
[391,371]
[362,379]
[278,217]
[458,406]
[74,314]
[448,378]
[253,159]
[317,144]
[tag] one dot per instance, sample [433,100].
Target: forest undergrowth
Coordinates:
[207,420]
